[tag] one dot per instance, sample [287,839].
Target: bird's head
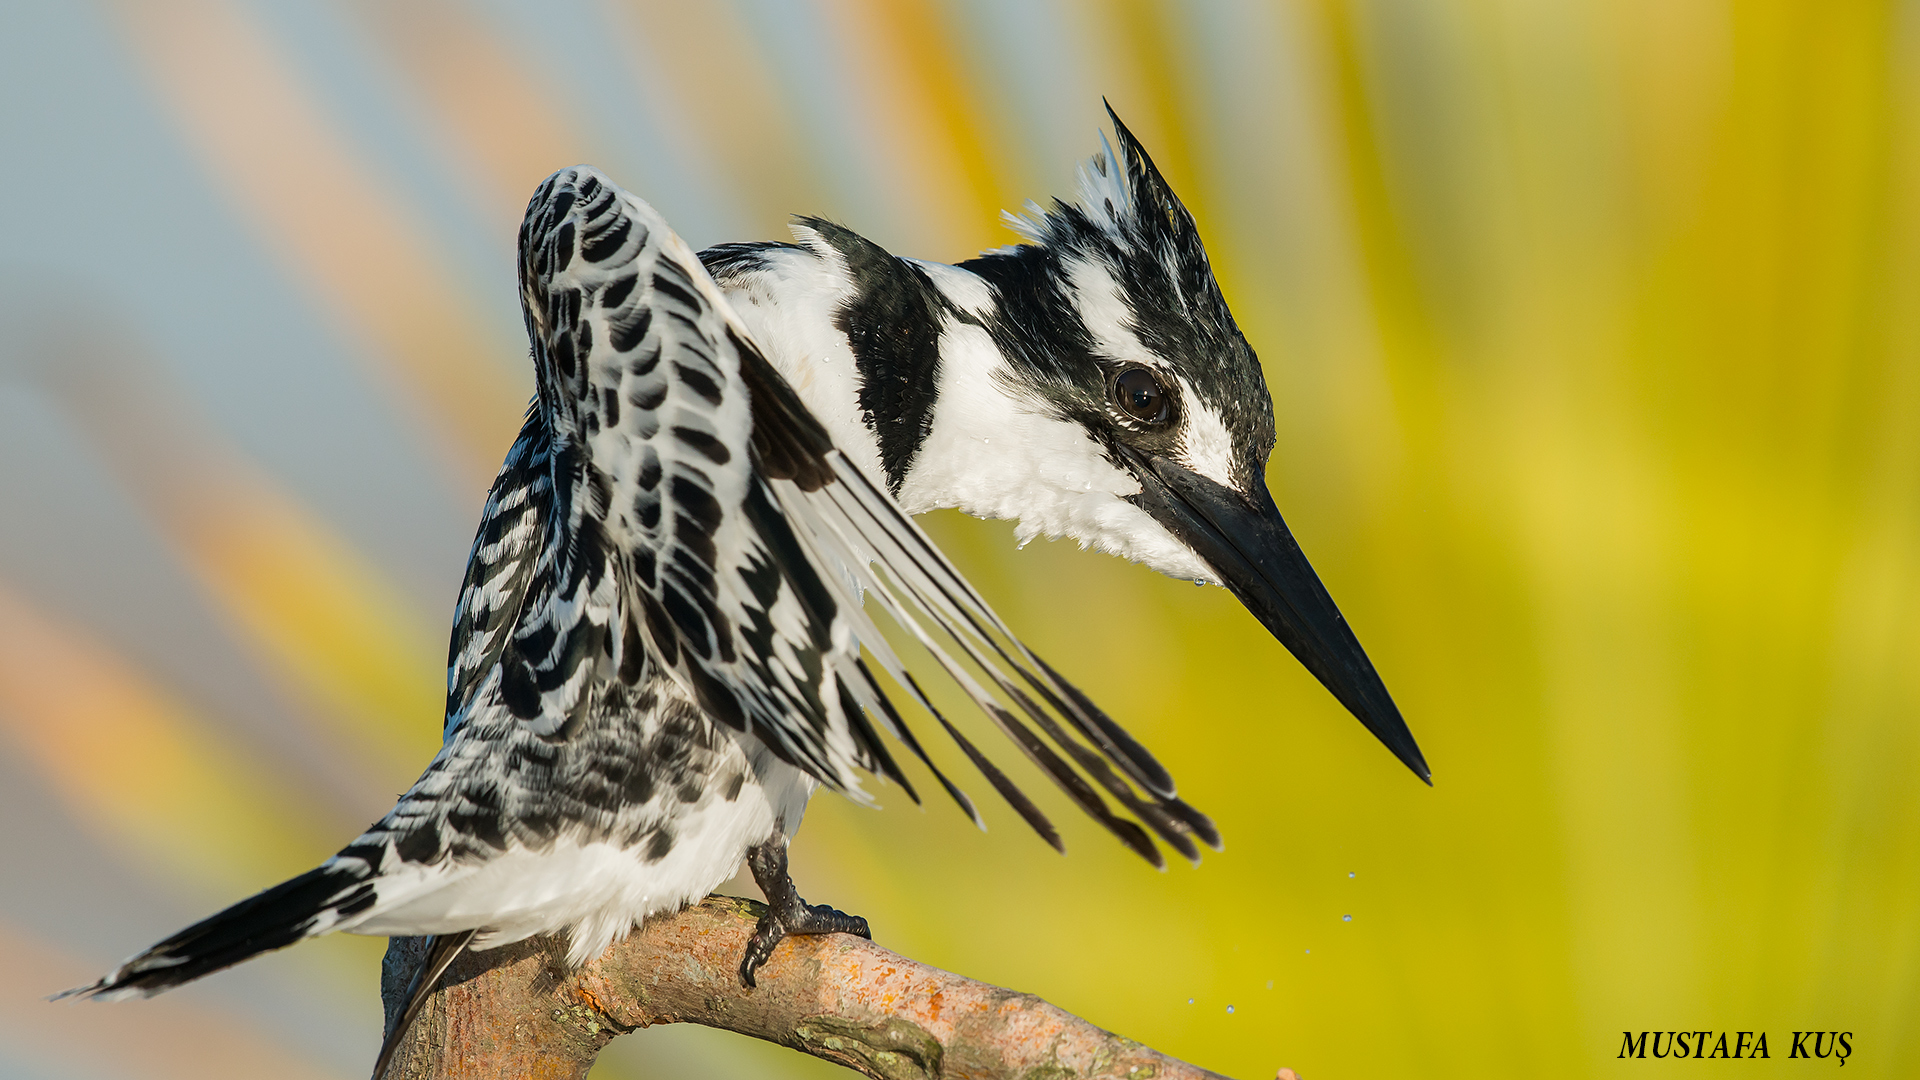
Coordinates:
[1113,328]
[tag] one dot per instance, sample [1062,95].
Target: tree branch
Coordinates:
[518,1012]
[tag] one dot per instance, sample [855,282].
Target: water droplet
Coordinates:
[1229,1010]
[1309,952]
[1189,1001]
[1346,918]
[1349,873]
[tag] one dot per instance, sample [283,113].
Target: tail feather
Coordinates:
[442,950]
[311,904]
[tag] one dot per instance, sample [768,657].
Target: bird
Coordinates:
[1090,383]
[661,645]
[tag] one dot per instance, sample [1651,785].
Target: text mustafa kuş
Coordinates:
[1734,1044]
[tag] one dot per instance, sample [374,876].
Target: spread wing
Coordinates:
[500,566]
[705,523]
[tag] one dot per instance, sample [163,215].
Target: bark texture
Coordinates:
[518,1012]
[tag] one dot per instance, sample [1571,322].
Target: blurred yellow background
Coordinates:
[1593,330]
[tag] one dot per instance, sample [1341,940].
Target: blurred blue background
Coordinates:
[1593,334]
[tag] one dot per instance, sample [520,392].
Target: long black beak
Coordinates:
[1249,547]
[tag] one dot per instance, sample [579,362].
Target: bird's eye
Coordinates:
[1140,395]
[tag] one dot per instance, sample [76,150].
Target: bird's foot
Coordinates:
[787,913]
[806,919]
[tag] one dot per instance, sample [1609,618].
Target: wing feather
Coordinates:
[712,524]
[500,566]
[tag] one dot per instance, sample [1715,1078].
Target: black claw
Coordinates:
[787,913]
[760,947]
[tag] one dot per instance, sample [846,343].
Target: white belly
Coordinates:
[596,889]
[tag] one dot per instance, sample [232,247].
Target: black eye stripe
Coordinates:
[1140,394]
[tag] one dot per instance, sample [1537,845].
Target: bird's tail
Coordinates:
[314,903]
[442,950]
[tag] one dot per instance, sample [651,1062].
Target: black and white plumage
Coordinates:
[656,654]
[1090,383]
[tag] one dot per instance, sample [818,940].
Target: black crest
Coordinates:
[1127,219]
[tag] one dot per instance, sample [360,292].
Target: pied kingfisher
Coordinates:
[656,653]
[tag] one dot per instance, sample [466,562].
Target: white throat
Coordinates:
[990,452]
[994,454]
